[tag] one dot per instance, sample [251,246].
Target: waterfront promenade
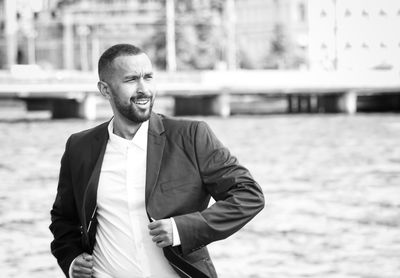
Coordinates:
[332,187]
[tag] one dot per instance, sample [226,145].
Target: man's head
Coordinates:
[126,80]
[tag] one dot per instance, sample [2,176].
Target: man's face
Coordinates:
[131,85]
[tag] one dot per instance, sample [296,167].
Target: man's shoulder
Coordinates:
[90,133]
[176,128]
[170,121]
[179,125]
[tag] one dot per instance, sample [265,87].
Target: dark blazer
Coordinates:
[186,165]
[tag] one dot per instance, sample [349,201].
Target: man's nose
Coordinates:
[141,86]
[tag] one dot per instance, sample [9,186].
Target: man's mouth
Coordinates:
[141,100]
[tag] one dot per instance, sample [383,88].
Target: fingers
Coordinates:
[162,240]
[85,261]
[161,232]
[82,266]
[154,224]
[163,244]
[158,226]
[82,274]
[155,232]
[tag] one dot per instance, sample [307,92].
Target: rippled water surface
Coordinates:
[332,185]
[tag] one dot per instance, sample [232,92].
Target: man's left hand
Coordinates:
[161,230]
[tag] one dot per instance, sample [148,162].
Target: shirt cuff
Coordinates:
[176,241]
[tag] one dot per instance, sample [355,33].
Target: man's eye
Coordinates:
[148,76]
[134,78]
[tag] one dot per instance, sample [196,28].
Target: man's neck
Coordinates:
[125,128]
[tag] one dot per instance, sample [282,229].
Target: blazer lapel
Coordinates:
[98,148]
[155,149]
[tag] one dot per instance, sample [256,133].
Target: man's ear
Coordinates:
[104,89]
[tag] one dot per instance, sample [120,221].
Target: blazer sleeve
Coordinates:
[238,197]
[65,224]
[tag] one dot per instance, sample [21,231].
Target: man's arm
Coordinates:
[65,225]
[238,197]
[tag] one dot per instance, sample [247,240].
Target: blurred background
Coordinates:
[306,93]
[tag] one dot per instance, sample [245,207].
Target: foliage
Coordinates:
[283,54]
[198,35]
[280,48]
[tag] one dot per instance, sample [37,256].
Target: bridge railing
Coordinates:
[72,93]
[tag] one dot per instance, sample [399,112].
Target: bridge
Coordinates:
[75,94]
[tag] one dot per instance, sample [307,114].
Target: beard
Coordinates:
[132,112]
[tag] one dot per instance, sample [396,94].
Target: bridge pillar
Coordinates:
[301,103]
[347,102]
[338,103]
[203,105]
[88,107]
[72,108]
[65,108]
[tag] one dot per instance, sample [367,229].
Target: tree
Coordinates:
[283,54]
[198,35]
[280,47]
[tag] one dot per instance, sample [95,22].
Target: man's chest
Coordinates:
[122,178]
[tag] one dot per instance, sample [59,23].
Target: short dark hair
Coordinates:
[113,52]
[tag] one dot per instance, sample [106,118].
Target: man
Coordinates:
[133,193]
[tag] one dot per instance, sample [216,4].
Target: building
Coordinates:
[252,34]
[71,34]
[354,34]
[90,27]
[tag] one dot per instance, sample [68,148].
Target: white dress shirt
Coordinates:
[123,246]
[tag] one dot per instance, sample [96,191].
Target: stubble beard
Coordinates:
[132,113]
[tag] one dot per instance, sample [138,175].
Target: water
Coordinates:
[332,185]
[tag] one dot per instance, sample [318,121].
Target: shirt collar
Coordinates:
[140,138]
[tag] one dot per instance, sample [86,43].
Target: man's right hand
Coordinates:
[81,266]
